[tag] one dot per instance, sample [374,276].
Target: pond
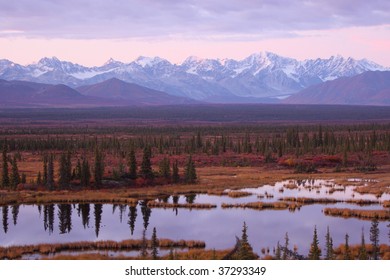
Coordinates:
[57,223]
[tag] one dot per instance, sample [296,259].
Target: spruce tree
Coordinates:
[362,249]
[99,169]
[374,238]
[63,180]
[190,176]
[5,183]
[347,250]
[315,252]
[85,176]
[165,168]
[154,245]
[245,252]
[278,254]
[146,166]
[285,247]
[15,178]
[175,172]
[329,246]
[132,165]
[44,170]
[50,173]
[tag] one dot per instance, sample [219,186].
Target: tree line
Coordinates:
[86,175]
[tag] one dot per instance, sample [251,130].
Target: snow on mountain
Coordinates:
[260,75]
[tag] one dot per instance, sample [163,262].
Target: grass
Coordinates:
[357,213]
[263,205]
[214,180]
[309,200]
[16,252]
[237,194]
[384,251]
[155,204]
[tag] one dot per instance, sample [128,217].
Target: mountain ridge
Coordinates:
[258,76]
[368,88]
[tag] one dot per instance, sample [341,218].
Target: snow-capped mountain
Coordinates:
[260,75]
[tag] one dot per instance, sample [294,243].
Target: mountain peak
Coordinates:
[112,61]
[148,61]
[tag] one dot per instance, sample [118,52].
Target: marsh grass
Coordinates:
[237,194]
[261,205]
[155,204]
[16,252]
[357,213]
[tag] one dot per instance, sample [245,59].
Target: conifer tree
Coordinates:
[165,168]
[347,250]
[154,245]
[132,165]
[374,238]
[50,173]
[99,169]
[278,254]
[146,166]
[329,246]
[64,178]
[175,172]
[285,248]
[190,176]
[44,170]
[362,249]
[15,178]
[315,252]
[85,176]
[5,183]
[245,252]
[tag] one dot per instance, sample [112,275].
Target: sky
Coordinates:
[89,32]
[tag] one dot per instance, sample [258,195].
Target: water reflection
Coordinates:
[5,218]
[132,218]
[217,227]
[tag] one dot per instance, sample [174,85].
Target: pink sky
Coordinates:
[90,32]
[372,43]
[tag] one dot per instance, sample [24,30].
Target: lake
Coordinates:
[57,223]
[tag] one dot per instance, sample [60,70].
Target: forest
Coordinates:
[74,161]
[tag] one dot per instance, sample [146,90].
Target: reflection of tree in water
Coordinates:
[65,218]
[175,199]
[5,218]
[146,212]
[40,210]
[98,217]
[122,210]
[51,209]
[132,218]
[84,210]
[114,206]
[164,199]
[45,217]
[15,213]
[190,198]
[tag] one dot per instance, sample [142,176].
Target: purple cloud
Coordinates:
[84,19]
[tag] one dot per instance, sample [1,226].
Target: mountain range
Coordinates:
[368,88]
[112,92]
[261,77]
